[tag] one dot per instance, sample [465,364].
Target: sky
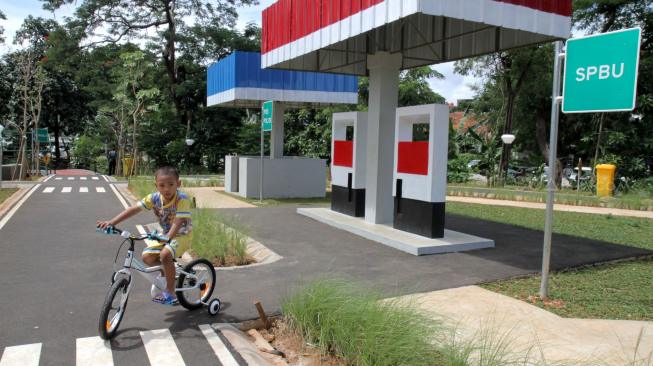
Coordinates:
[452,87]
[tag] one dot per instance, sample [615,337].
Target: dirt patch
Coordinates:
[296,351]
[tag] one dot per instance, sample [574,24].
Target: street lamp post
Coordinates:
[507,139]
[189,143]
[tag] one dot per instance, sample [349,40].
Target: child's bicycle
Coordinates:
[194,284]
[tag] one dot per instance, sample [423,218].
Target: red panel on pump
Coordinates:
[343,153]
[413,157]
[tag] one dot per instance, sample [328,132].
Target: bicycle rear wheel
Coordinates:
[113,308]
[204,272]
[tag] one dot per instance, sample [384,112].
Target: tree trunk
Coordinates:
[57,151]
[507,129]
[134,146]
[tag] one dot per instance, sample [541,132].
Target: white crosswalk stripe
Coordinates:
[159,345]
[25,355]
[66,189]
[100,189]
[161,348]
[93,351]
[220,349]
[83,189]
[48,190]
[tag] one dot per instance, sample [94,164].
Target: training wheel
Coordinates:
[214,307]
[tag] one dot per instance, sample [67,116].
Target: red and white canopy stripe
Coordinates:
[293,29]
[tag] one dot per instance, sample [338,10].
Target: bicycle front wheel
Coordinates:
[113,308]
[201,284]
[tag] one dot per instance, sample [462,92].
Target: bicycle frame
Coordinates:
[131,262]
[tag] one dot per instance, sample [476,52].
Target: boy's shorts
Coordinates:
[176,247]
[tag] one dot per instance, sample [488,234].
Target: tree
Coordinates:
[508,70]
[119,19]
[2,29]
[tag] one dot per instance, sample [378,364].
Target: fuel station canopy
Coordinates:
[337,35]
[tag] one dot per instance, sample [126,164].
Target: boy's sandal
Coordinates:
[165,298]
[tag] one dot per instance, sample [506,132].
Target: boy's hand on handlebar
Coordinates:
[103,224]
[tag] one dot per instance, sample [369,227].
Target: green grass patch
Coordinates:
[5,193]
[631,201]
[630,231]
[611,291]
[614,291]
[221,241]
[282,201]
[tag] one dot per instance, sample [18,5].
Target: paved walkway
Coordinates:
[476,312]
[557,207]
[210,197]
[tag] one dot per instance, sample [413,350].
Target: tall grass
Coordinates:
[357,327]
[224,243]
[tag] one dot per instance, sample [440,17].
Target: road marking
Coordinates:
[48,178]
[20,203]
[105,178]
[82,178]
[94,351]
[71,178]
[122,200]
[48,190]
[83,189]
[95,178]
[161,348]
[100,189]
[58,178]
[219,348]
[25,355]
[67,189]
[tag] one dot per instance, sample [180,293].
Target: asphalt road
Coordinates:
[55,273]
[56,270]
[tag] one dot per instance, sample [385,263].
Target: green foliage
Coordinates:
[457,170]
[86,150]
[352,323]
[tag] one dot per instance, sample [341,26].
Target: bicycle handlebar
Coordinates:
[154,235]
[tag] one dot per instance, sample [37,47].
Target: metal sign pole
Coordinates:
[553,147]
[260,199]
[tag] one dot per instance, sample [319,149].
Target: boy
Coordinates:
[172,209]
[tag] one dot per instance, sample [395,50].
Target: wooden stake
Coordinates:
[261,314]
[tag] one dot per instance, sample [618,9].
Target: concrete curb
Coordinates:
[9,203]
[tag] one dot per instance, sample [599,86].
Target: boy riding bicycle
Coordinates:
[172,209]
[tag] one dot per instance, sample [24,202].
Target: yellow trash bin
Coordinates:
[127,163]
[605,179]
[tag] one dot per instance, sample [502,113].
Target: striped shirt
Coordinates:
[166,212]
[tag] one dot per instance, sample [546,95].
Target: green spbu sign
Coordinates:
[601,72]
[267,115]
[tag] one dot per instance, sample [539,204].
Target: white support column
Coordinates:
[276,139]
[383,100]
